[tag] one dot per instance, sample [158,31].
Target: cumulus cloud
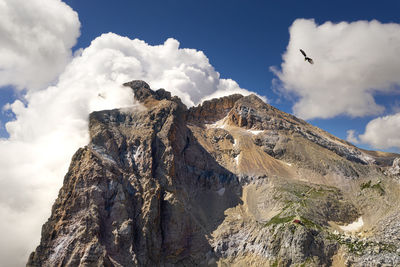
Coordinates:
[228,87]
[351,137]
[36,38]
[383,132]
[52,124]
[186,73]
[353,61]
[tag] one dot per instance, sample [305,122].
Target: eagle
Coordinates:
[307,58]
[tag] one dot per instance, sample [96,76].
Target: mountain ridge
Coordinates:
[232,181]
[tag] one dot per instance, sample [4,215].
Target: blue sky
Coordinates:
[241,39]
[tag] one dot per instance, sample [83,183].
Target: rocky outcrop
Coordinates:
[143,92]
[233,181]
[252,113]
[395,169]
[136,195]
[288,231]
[213,110]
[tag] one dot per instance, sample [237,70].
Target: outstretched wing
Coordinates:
[304,53]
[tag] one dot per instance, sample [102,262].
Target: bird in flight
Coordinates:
[307,58]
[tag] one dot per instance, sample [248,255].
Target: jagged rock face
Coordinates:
[213,110]
[395,169]
[233,181]
[136,195]
[252,113]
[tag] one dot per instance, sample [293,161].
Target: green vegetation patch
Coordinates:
[302,192]
[310,224]
[278,220]
[320,192]
[365,185]
[388,247]
[358,246]
[378,187]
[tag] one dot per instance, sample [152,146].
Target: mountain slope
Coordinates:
[233,181]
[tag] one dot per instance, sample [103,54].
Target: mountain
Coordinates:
[231,182]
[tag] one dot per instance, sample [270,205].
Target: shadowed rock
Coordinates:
[233,181]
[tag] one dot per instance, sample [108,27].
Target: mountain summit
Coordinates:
[231,182]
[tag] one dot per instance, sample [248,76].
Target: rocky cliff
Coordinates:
[231,182]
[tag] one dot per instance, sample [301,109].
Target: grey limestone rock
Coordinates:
[233,181]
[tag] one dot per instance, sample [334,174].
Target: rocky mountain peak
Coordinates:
[231,182]
[213,110]
[142,91]
[149,97]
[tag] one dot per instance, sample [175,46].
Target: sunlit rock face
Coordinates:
[231,182]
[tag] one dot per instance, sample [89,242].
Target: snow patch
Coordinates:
[218,124]
[354,226]
[235,143]
[61,244]
[255,132]
[138,153]
[102,153]
[362,156]
[367,158]
[237,159]
[221,191]
[395,169]
[289,164]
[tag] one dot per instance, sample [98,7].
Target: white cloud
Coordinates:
[36,38]
[184,72]
[383,132]
[228,87]
[53,123]
[351,137]
[353,61]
